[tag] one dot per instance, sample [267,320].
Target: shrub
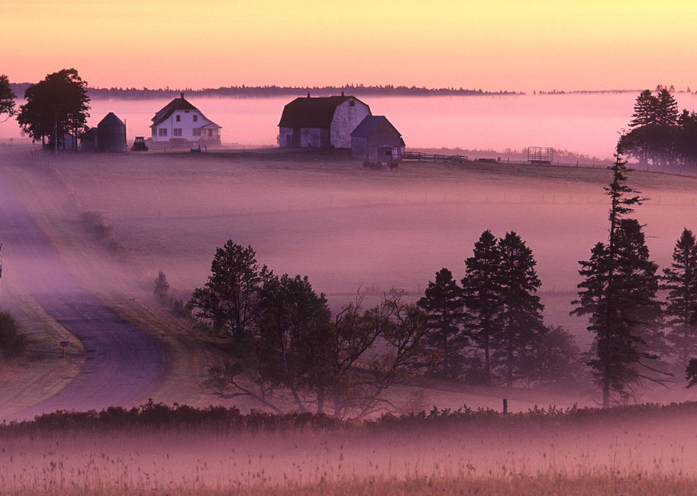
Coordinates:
[12,343]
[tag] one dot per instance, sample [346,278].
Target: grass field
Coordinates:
[632,451]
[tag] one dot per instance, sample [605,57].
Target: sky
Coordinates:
[517,45]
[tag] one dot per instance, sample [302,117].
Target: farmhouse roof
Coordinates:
[178,104]
[312,112]
[170,108]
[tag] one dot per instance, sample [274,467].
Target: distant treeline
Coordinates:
[274,91]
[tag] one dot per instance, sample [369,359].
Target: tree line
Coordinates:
[487,328]
[659,134]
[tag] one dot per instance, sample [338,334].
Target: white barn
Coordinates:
[180,120]
[321,122]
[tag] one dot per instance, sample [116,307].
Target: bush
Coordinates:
[11,342]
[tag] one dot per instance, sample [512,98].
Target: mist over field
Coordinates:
[348,228]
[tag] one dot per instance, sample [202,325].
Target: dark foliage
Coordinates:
[443,303]
[7,99]
[55,106]
[12,343]
[680,280]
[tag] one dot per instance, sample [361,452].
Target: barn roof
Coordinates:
[368,124]
[312,112]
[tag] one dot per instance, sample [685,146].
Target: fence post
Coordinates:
[505,406]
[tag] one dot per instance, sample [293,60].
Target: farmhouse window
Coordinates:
[196,132]
[352,103]
[162,132]
[177,131]
[195,118]
[179,118]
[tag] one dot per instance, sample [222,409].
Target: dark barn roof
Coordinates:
[312,112]
[369,124]
[170,108]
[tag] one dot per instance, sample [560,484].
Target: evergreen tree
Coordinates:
[680,280]
[666,109]
[520,318]
[443,303]
[644,110]
[482,295]
[618,292]
[229,301]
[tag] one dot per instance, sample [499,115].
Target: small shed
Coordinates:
[376,139]
[89,140]
[111,134]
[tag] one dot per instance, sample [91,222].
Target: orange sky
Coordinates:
[490,44]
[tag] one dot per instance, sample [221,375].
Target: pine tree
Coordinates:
[619,294]
[666,109]
[443,303]
[482,295]
[644,110]
[520,319]
[680,280]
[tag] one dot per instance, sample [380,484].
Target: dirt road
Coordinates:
[122,364]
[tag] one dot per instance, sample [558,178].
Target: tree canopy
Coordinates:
[55,106]
[7,99]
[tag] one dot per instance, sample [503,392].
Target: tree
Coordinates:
[482,295]
[618,292]
[56,105]
[229,301]
[520,319]
[7,98]
[680,280]
[644,110]
[554,361]
[666,109]
[442,301]
[327,365]
[12,343]
[161,289]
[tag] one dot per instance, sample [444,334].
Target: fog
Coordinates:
[348,228]
[581,123]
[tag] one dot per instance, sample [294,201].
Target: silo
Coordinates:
[111,134]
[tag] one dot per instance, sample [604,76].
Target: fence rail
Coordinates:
[434,157]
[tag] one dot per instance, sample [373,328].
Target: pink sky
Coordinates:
[518,45]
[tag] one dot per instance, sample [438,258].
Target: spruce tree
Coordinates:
[482,295]
[520,318]
[443,303]
[619,294]
[680,280]
[666,109]
[644,110]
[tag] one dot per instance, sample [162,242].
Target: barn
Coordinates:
[321,122]
[376,139]
[180,120]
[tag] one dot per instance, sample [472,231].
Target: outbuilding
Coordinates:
[111,134]
[376,139]
[321,122]
[180,120]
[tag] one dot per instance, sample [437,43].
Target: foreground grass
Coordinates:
[591,485]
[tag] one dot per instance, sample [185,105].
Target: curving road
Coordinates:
[122,364]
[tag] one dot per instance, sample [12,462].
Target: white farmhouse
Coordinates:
[179,120]
[321,122]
